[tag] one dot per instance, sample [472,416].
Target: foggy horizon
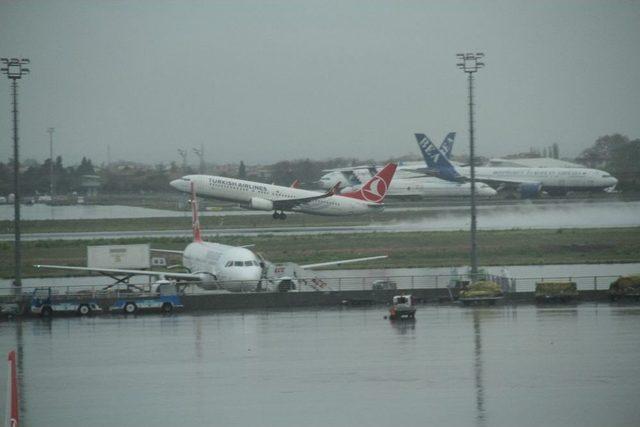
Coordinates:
[265,82]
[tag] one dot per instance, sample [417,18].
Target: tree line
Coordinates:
[616,154]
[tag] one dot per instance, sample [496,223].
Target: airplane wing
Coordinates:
[288,204]
[506,182]
[167,251]
[160,274]
[343,261]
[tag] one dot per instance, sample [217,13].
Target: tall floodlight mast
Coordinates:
[14,69]
[470,64]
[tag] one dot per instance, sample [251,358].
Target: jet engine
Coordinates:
[530,190]
[261,204]
[207,281]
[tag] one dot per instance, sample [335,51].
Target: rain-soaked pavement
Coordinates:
[500,366]
[497,217]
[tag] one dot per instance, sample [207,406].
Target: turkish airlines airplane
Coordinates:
[213,265]
[529,181]
[276,198]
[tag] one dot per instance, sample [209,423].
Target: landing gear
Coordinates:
[279,215]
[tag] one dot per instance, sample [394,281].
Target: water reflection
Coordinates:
[20,364]
[402,326]
[477,368]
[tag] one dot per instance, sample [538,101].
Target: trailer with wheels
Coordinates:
[44,302]
[164,297]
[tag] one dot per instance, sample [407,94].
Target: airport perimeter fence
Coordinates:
[327,284]
[508,284]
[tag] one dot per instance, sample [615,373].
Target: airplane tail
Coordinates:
[436,160]
[447,144]
[195,224]
[376,188]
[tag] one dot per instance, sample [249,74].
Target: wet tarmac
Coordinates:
[521,216]
[454,366]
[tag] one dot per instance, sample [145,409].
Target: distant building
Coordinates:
[90,184]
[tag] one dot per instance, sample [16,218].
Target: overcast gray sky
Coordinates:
[265,81]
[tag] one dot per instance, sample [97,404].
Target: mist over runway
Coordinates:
[497,217]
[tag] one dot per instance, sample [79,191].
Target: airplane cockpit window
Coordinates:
[237,263]
[229,264]
[248,263]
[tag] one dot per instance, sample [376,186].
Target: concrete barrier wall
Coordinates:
[304,299]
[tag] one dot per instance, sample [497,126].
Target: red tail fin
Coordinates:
[376,188]
[195,224]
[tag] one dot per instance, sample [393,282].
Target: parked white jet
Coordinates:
[276,198]
[412,179]
[211,265]
[405,184]
[529,181]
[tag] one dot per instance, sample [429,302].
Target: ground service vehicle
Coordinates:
[45,302]
[383,284]
[164,296]
[402,307]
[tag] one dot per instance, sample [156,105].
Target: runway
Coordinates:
[522,216]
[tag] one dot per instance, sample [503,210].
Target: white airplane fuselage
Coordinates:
[233,268]
[407,183]
[561,179]
[259,196]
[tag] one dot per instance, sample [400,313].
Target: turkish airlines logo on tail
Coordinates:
[375,190]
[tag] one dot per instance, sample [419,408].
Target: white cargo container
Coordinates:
[118,256]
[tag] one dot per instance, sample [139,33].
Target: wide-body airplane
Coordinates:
[279,199]
[212,265]
[528,181]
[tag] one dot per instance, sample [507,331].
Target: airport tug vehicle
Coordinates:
[402,308]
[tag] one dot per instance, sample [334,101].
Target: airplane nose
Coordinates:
[178,184]
[250,275]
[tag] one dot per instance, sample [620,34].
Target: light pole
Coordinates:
[183,154]
[468,62]
[14,69]
[200,154]
[51,187]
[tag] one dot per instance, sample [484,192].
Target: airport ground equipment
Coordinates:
[45,302]
[555,291]
[626,287]
[289,276]
[402,307]
[383,284]
[484,291]
[165,296]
